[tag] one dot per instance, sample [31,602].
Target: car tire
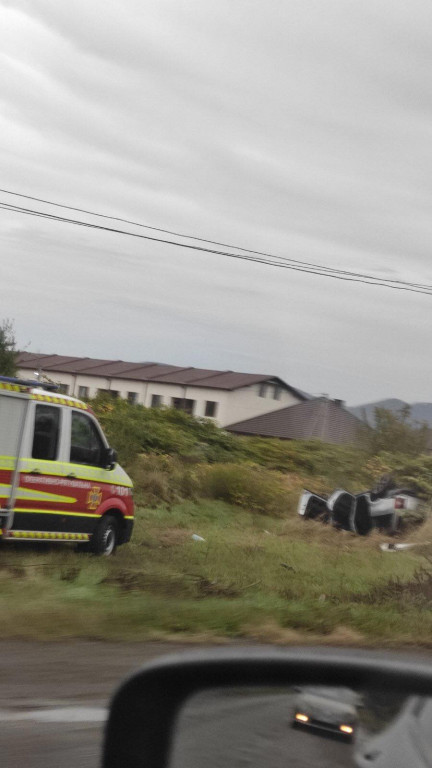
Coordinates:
[341,504]
[105,538]
[361,520]
[316,509]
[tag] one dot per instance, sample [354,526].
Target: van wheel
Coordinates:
[105,537]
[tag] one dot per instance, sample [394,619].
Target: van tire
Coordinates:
[106,536]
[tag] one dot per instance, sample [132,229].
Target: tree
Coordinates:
[395,433]
[8,352]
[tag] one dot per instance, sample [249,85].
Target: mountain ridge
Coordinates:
[421,412]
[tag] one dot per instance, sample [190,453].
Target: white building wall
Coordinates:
[246,403]
[231,406]
[144,390]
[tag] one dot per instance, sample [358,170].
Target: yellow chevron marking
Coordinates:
[54,536]
[45,398]
[60,401]
[14,387]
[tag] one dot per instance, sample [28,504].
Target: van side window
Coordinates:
[86,444]
[46,432]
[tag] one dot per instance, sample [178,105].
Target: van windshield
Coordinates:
[12,411]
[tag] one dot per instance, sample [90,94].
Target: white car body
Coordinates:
[359,513]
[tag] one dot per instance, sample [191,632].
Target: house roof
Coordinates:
[157,372]
[318,418]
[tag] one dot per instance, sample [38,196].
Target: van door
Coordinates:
[12,418]
[87,473]
[43,499]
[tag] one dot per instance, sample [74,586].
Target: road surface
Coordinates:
[53,700]
[222,730]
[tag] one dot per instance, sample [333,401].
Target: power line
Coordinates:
[211,242]
[163,231]
[256,257]
[366,279]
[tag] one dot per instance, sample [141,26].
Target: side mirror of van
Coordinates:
[110,458]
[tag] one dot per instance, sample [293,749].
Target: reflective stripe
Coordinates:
[7,462]
[46,398]
[15,387]
[67,514]
[50,536]
[56,512]
[60,401]
[33,495]
[114,476]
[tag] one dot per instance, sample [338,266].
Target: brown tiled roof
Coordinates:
[319,418]
[158,372]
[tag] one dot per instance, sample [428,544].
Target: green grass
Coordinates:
[254,576]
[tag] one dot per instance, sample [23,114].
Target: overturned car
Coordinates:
[382,507]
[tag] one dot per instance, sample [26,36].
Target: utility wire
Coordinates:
[159,229]
[320,267]
[269,261]
[287,259]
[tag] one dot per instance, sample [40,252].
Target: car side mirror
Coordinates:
[110,458]
[216,707]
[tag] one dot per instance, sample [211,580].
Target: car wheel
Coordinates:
[361,520]
[340,504]
[105,538]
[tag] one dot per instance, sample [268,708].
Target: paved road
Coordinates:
[53,699]
[251,731]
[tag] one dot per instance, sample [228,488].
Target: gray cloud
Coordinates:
[299,127]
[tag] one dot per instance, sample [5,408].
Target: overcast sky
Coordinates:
[297,127]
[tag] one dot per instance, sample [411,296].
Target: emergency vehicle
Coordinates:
[59,478]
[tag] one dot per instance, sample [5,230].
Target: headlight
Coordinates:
[303,718]
[346,729]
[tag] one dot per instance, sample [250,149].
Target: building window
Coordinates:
[83,392]
[63,389]
[277,392]
[263,390]
[114,393]
[210,408]
[156,401]
[183,404]
[132,397]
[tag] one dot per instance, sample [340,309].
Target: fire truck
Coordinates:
[59,478]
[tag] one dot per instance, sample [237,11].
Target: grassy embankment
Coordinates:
[261,573]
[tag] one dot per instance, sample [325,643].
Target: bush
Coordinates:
[413,473]
[134,429]
[252,487]
[247,470]
[394,432]
[162,479]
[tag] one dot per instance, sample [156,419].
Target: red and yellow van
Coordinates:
[59,478]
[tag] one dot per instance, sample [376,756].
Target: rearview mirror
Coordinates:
[270,707]
[110,458]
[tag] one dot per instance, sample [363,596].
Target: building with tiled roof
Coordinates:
[225,396]
[319,418]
